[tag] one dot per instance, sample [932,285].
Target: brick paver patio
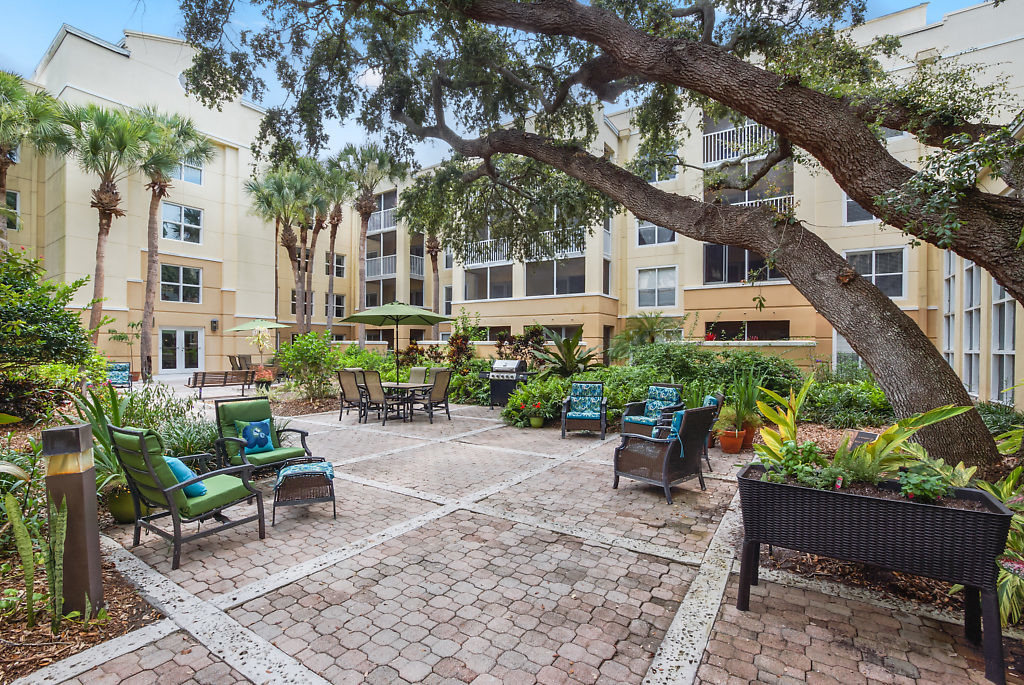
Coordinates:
[468,551]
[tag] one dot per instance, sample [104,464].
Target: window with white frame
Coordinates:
[971,372]
[656,175]
[729,264]
[489,283]
[339,265]
[13,204]
[949,307]
[181,284]
[188,172]
[853,213]
[564,331]
[449,259]
[182,223]
[339,306]
[309,302]
[448,300]
[1004,313]
[556,277]
[656,287]
[884,267]
[649,234]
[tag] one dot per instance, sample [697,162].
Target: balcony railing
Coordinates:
[733,143]
[490,251]
[576,249]
[382,220]
[781,204]
[381,267]
[416,265]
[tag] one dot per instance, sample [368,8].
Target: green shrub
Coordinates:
[776,374]
[548,392]
[847,405]
[999,418]
[466,385]
[189,435]
[311,361]
[689,362]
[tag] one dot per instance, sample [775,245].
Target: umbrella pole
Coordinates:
[396,351]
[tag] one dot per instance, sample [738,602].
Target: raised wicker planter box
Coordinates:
[954,545]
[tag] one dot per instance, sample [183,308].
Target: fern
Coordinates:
[23,541]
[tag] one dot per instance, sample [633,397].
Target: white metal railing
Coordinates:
[732,143]
[780,204]
[488,252]
[381,267]
[381,221]
[416,265]
[576,249]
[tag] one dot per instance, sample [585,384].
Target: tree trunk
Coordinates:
[96,313]
[364,224]
[4,166]
[301,310]
[317,227]
[436,283]
[330,278]
[152,280]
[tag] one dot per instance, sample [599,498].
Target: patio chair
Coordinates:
[663,399]
[669,460]
[436,397]
[152,483]
[245,361]
[233,360]
[374,397]
[586,408]
[358,371]
[418,374]
[349,396]
[233,448]
[119,374]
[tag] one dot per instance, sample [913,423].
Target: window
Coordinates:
[556,277]
[339,306]
[949,307]
[1004,312]
[183,223]
[607,236]
[309,302]
[747,330]
[853,213]
[181,284]
[656,287]
[445,335]
[845,356]
[972,327]
[448,300]
[657,175]
[728,264]
[449,259]
[339,265]
[14,205]
[606,277]
[564,331]
[884,268]
[489,283]
[649,234]
[190,173]
[774,189]
[416,298]
[494,331]
[339,337]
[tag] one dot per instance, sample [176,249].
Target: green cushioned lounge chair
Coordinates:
[231,447]
[151,483]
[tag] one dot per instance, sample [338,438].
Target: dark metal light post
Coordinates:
[71,479]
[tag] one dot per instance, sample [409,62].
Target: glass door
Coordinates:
[181,350]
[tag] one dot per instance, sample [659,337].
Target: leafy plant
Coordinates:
[26,554]
[189,435]
[728,419]
[129,337]
[999,418]
[569,356]
[746,393]
[840,404]
[547,392]
[959,476]
[53,561]
[922,487]
[645,328]
[784,416]
[311,361]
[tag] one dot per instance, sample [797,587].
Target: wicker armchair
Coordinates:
[349,396]
[374,397]
[663,400]
[586,408]
[152,484]
[669,460]
[436,397]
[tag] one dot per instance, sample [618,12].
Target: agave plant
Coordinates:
[92,407]
[569,356]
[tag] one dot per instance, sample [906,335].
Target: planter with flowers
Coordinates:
[536,412]
[884,503]
[262,375]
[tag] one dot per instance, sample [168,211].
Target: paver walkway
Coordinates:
[468,551]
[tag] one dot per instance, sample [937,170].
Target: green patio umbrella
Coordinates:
[396,314]
[258,323]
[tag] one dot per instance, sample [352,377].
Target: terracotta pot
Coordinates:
[731,441]
[748,437]
[537,421]
[119,504]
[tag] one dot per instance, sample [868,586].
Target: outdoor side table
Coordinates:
[304,480]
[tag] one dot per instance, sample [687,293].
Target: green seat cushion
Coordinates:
[248,410]
[220,490]
[645,420]
[271,457]
[134,454]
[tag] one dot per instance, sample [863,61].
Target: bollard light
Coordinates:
[71,479]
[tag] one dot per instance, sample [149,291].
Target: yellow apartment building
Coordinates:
[216,258]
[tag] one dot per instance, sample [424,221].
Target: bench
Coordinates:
[207,379]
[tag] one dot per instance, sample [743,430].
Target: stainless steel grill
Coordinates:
[504,376]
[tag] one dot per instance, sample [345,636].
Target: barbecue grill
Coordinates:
[504,376]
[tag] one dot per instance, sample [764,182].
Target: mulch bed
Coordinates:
[21,431]
[297,407]
[23,649]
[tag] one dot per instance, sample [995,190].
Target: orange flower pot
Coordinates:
[731,441]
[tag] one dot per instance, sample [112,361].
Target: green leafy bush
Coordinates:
[548,392]
[689,362]
[776,374]
[190,435]
[311,361]
[999,418]
[466,385]
[848,405]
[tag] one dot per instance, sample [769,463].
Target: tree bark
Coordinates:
[318,226]
[301,309]
[96,313]
[158,192]
[433,247]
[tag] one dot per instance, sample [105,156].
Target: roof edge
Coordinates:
[68,29]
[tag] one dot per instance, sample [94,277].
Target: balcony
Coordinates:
[491,251]
[781,204]
[416,266]
[732,143]
[576,249]
[382,267]
[383,220]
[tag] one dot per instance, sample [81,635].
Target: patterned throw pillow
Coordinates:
[666,395]
[256,435]
[585,390]
[588,405]
[710,401]
[652,409]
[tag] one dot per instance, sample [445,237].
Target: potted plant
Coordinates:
[729,428]
[747,391]
[535,412]
[900,514]
[263,376]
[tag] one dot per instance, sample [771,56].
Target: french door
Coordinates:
[181,350]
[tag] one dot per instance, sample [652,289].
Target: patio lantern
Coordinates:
[71,478]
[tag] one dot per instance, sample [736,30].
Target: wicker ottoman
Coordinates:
[304,480]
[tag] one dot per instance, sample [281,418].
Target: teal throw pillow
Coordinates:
[256,435]
[183,473]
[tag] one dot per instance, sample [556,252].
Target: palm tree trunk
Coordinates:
[4,166]
[96,314]
[364,224]
[436,332]
[317,227]
[152,283]
[300,290]
[330,278]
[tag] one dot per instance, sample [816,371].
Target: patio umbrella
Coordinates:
[258,323]
[395,314]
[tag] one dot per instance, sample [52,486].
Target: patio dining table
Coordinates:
[405,391]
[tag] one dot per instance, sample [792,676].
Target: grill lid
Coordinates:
[508,366]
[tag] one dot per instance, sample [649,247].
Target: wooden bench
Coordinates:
[208,379]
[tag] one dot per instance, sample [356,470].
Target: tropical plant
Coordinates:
[129,337]
[52,545]
[311,361]
[191,434]
[568,357]
[110,144]
[100,408]
[26,553]
[728,419]
[959,476]
[540,398]
[642,329]
[746,393]
[784,416]
[171,140]
[26,115]
[367,167]
[335,189]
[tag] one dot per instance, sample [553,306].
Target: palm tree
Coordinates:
[109,143]
[171,140]
[315,218]
[25,115]
[644,329]
[368,166]
[336,190]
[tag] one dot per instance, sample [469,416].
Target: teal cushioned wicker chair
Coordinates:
[231,448]
[586,408]
[663,399]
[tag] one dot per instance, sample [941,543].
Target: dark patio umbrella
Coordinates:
[396,314]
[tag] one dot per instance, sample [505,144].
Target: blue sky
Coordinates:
[32,24]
